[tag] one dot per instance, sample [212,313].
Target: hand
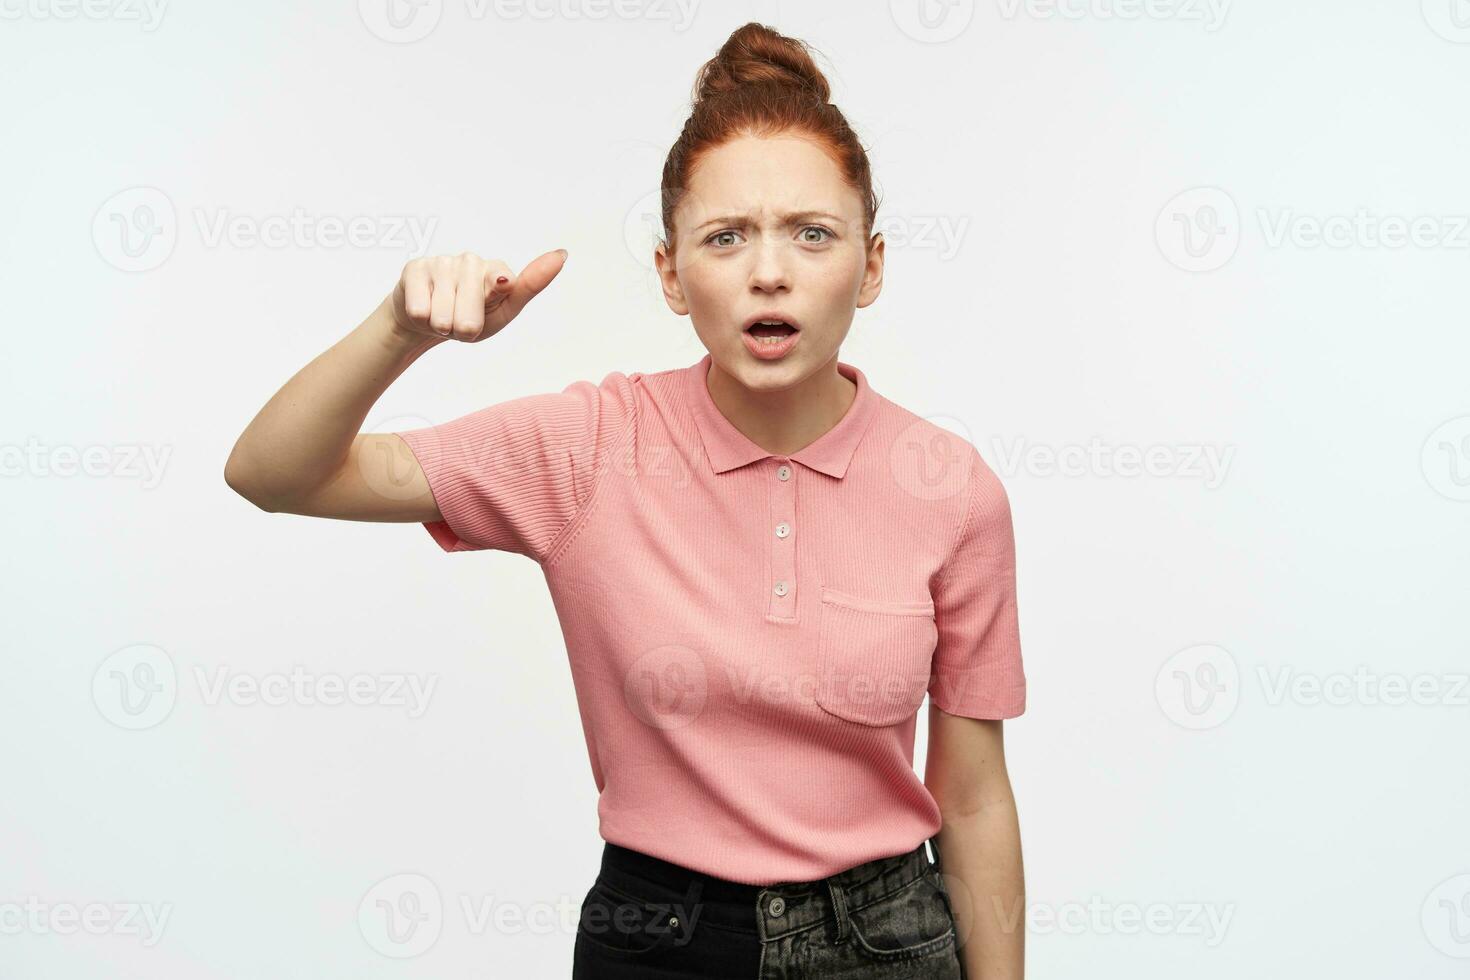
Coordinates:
[462,297]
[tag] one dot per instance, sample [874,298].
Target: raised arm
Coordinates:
[303,452]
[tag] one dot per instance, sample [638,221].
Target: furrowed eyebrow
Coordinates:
[743,220]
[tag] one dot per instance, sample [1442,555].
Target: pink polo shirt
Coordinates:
[751,635]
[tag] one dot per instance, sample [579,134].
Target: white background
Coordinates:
[1101,227]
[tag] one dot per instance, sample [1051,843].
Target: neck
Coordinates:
[790,419]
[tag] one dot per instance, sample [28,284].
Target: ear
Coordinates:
[872,283]
[668,277]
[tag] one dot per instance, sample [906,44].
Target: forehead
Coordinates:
[765,177]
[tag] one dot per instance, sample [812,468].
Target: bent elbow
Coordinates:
[240,481]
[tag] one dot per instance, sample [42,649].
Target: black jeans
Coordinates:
[645,917]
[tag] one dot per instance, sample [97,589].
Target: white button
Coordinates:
[783,473]
[783,529]
[780,588]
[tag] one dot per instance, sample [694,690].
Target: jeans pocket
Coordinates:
[617,922]
[912,921]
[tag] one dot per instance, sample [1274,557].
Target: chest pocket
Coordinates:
[873,657]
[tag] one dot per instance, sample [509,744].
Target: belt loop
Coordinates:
[839,908]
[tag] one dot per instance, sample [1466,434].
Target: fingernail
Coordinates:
[563,252]
[502,279]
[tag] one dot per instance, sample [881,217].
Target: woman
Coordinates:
[760,566]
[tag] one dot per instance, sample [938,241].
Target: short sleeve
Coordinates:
[977,670]
[512,476]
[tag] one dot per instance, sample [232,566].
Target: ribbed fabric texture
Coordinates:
[750,635]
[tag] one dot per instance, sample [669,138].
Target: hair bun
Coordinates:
[756,54]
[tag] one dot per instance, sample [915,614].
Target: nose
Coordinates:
[768,266]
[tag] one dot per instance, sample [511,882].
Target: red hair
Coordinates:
[762,83]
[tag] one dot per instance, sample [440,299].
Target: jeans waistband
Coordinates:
[769,910]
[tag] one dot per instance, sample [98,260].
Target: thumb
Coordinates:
[535,277]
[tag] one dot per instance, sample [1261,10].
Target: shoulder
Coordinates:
[936,459]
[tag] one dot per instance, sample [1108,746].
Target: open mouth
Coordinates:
[770,331]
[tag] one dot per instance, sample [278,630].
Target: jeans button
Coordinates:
[777,906]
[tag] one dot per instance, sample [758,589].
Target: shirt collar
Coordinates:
[727,447]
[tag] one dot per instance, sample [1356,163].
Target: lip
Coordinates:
[770,352]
